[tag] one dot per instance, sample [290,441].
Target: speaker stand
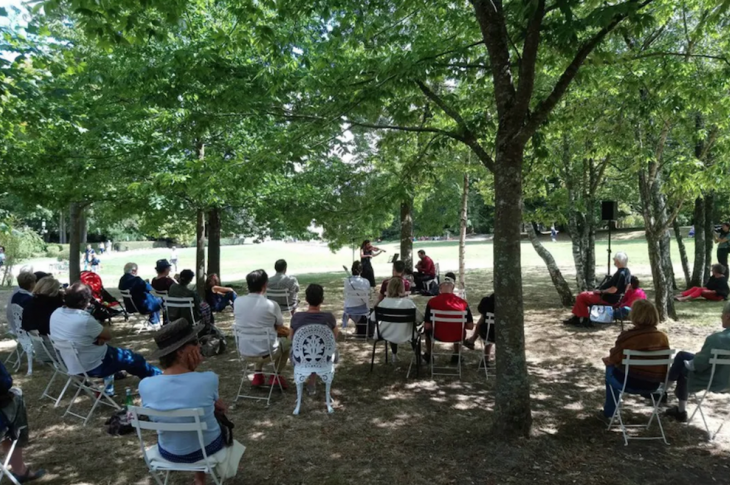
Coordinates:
[608,268]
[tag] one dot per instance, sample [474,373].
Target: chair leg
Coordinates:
[63,391]
[50,383]
[372,359]
[300,385]
[328,384]
[4,470]
[30,362]
[73,399]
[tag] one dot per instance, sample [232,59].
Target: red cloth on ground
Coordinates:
[583,303]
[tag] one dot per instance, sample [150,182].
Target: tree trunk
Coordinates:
[406,234]
[200,253]
[682,252]
[512,400]
[562,287]
[74,256]
[665,243]
[661,285]
[576,240]
[214,242]
[589,245]
[62,228]
[698,270]
[84,227]
[709,234]
[462,231]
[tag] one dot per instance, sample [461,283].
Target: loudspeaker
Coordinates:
[609,210]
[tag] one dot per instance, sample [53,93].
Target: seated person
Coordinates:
[256,311]
[47,298]
[609,293]
[15,426]
[715,290]
[162,282]
[692,371]
[399,270]
[182,290]
[425,270]
[633,293]
[450,331]
[356,307]
[282,281]
[642,336]
[313,316]
[74,324]
[142,298]
[396,298]
[22,296]
[216,296]
[180,387]
[485,306]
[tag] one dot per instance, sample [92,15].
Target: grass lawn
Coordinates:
[387,429]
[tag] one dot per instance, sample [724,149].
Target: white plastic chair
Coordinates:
[313,351]
[364,297]
[443,317]
[264,337]
[433,281]
[638,358]
[719,357]
[280,294]
[184,302]
[489,322]
[67,350]
[158,466]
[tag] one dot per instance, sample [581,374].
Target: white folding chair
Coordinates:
[719,357]
[433,281]
[23,343]
[362,296]
[313,351]
[67,351]
[4,471]
[638,358]
[177,421]
[184,302]
[276,295]
[127,295]
[162,295]
[442,318]
[489,322]
[44,348]
[263,337]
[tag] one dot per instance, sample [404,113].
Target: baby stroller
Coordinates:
[105,306]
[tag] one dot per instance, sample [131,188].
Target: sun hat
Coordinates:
[173,336]
[162,264]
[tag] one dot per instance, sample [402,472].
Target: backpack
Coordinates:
[212,341]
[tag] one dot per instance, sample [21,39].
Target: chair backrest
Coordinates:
[127,296]
[16,318]
[278,293]
[719,357]
[67,352]
[448,317]
[41,343]
[184,302]
[647,358]
[397,325]
[259,336]
[160,293]
[354,293]
[313,347]
[489,322]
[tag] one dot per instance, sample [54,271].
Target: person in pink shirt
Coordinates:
[633,293]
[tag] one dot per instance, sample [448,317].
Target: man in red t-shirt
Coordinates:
[446,331]
[425,270]
[399,269]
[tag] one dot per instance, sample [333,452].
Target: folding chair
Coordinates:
[489,322]
[58,366]
[67,350]
[274,294]
[407,333]
[170,422]
[163,295]
[362,296]
[318,358]
[719,357]
[184,302]
[443,317]
[637,358]
[433,281]
[127,295]
[23,343]
[263,336]
[4,465]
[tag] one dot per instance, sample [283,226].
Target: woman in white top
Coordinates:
[356,308]
[396,298]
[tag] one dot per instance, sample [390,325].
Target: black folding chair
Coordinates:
[397,316]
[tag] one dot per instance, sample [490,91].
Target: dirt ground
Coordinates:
[387,429]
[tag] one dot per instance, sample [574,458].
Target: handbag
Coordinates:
[226,427]
[601,314]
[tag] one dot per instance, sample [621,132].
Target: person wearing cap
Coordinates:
[446,300]
[181,387]
[723,245]
[141,292]
[162,282]
[425,270]
[399,270]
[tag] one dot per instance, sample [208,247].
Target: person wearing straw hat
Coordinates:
[181,387]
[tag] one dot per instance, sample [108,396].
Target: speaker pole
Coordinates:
[608,269]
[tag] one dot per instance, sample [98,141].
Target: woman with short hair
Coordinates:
[47,298]
[396,299]
[141,291]
[216,296]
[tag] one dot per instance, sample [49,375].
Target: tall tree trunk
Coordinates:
[661,285]
[62,227]
[576,240]
[84,227]
[698,270]
[200,253]
[709,234]
[74,256]
[214,241]
[512,400]
[562,287]
[406,234]
[589,241]
[463,220]
[682,252]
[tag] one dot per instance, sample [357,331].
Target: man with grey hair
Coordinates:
[141,291]
[446,300]
[609,293]
[692,372]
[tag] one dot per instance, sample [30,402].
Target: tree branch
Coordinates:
[528,61]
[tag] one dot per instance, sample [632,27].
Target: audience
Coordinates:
[47,298]
[633,293]
[181,290]
[692,372]
[216,296]
[397,299]
[446,300]
[257,312]
[399,269]
[609,293]
[14,425]
[282,281]
[162,282]
[22,296]
[425,270]
[354,305]
[314,296]
[73,324]
[716,288]
[142,298]
[643,336]
[485,306]
[180,387]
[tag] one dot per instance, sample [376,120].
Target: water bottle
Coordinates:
[109,385]
[128,402]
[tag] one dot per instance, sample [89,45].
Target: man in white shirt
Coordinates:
[282,281]
[73,324]
[255,311]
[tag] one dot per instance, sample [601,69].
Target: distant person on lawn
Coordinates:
[173,257]
[162,282]
[399,271]
[609,293]
[716,288]
[141,292]
[255,311]
[216,296]
[425,270]
[692,372]
[282,281]
[446,300]
[643,336]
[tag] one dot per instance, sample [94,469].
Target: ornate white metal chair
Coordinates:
[313,352]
